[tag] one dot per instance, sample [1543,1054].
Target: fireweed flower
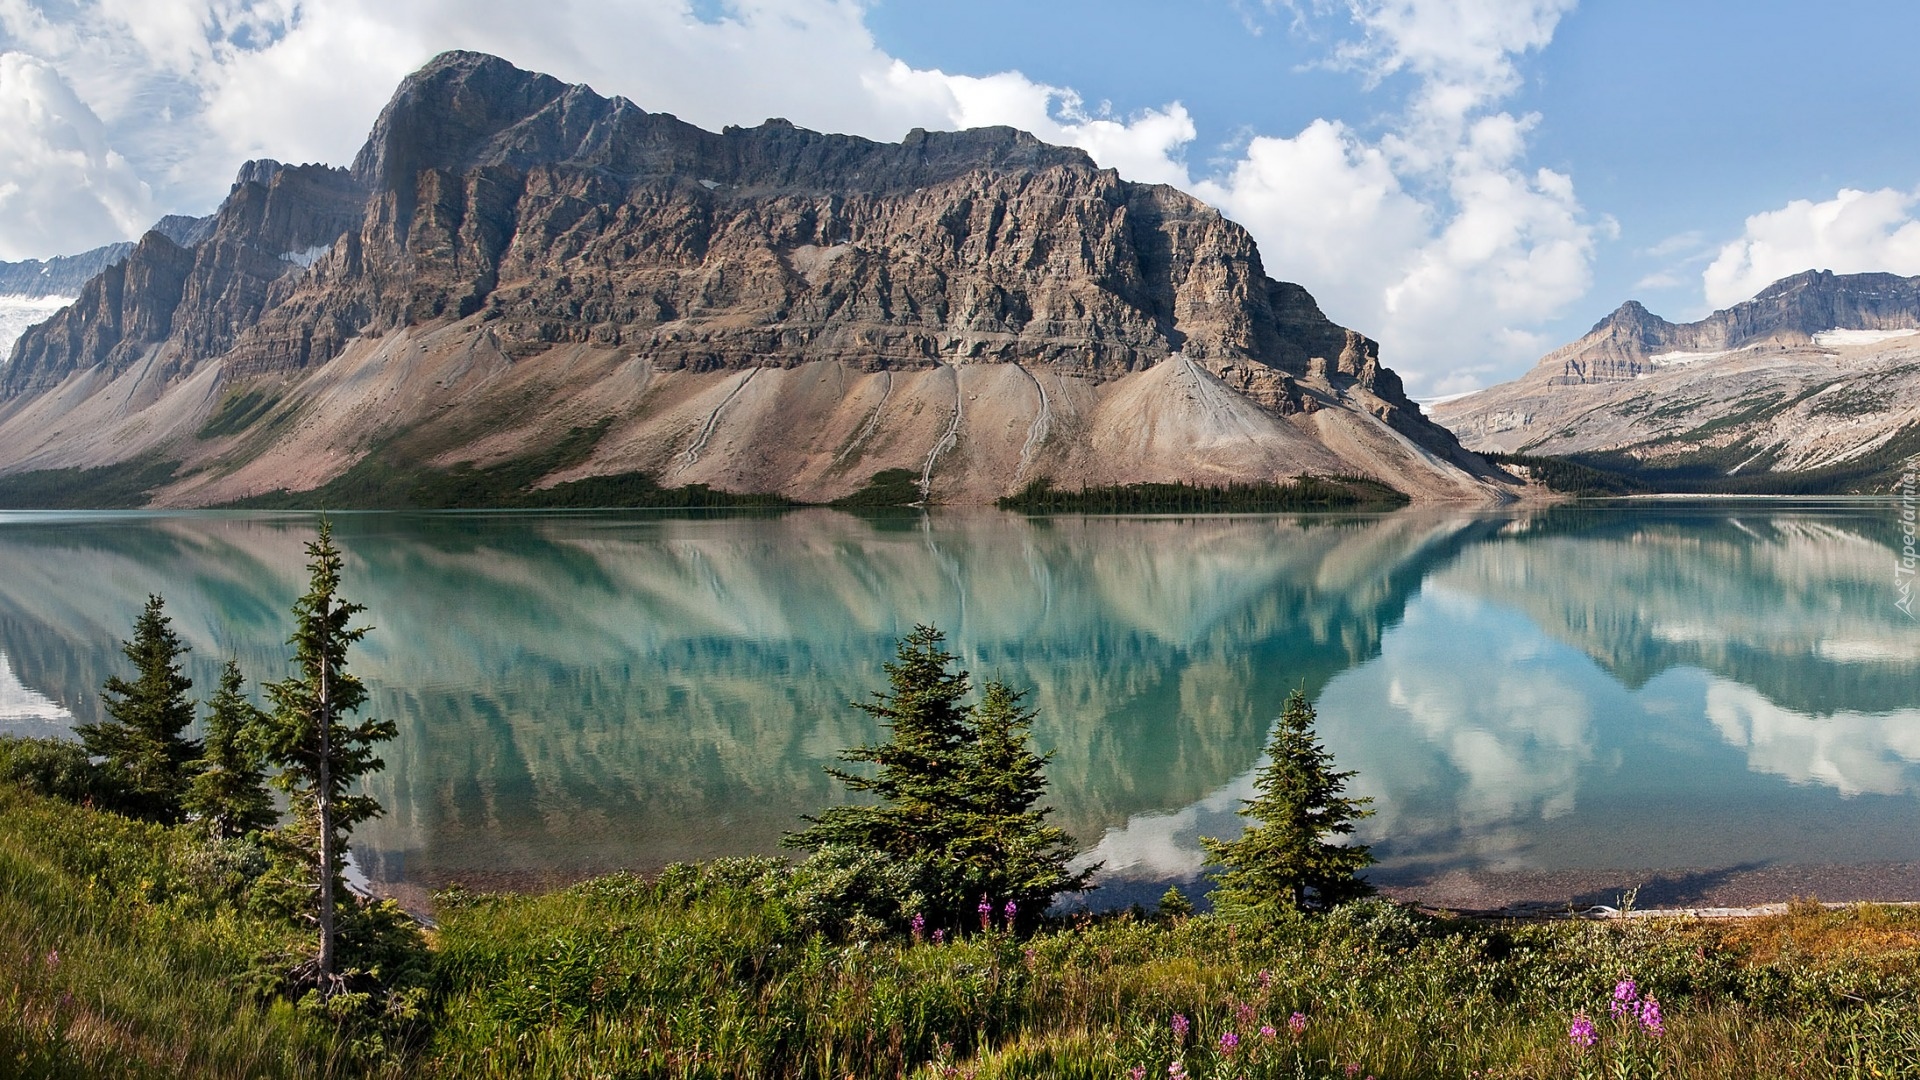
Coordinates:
[1580,1033]
[1229,1042]
[1243,1013]
[1267,1032]
[939,937]
[1650,1017]
[919,925]
[1265,978]
[1138,1072]
[1009,911]
[1179,1028]
[1177,1071]
[1297,1023]
[986,913]
[1626,995]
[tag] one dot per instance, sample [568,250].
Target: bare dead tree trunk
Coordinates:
[325,808]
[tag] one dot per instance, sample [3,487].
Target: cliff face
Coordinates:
[544,218]
[1815,372]
[65,275]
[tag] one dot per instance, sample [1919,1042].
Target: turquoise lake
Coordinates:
[1549,690]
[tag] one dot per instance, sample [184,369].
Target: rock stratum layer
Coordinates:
[511,259]
[1819,372]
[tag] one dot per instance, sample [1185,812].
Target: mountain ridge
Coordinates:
[560,260]
[1811,377]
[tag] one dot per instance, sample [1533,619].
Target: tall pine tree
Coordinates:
[320,754]
[1286,860]
[1005,848]
[919,765]
[146,757]
[229,795]
[956,789]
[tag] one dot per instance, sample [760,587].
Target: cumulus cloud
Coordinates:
[1433,235]
[61,183]
[1853,232]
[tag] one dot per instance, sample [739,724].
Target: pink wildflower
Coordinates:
[1297,1023]
[1626,995]
[1580,1033]
[1650,1017]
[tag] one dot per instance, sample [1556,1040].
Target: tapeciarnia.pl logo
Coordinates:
[1905,565]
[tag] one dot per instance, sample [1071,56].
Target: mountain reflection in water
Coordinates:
[579,692]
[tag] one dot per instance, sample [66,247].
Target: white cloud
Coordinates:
[1853,232]
[1435,237]
[60,181]
[1148,148]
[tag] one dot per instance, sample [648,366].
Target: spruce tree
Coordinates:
[956,790]
[320,755]
[1005,848]
[920,764]
[229,795]
[145,755]
[1286,860]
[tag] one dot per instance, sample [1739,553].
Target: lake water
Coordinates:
[1541,691]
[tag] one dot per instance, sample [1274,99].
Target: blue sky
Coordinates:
[1473,182]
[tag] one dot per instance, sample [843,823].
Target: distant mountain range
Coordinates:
[64,275]
[1811,386]
[521,282]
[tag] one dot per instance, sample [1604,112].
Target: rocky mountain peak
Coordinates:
[543,217]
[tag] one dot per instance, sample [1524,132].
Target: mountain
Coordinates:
[63,275]
[1809,386]
[33,289]
[518,277]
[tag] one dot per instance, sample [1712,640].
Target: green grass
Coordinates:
[1306,493]
[708,976]
[121,955]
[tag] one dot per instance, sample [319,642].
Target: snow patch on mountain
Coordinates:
[19,312]
[1838,337]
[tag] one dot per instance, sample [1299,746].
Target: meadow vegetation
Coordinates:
[912,942]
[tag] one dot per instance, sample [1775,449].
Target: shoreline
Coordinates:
[1729,891]
[1749,887]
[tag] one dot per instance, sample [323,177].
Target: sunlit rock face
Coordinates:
[510,258]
